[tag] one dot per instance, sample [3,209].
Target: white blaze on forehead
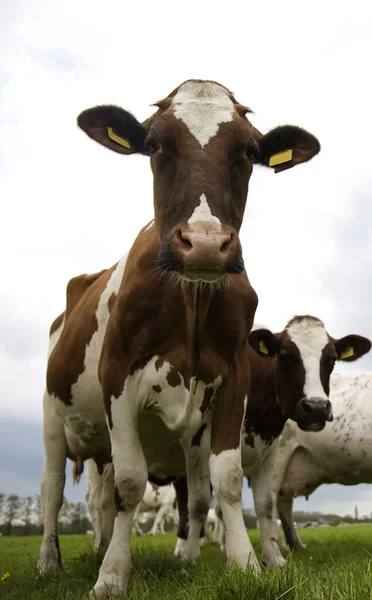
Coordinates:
[310,338]
[202,214]
[203,106]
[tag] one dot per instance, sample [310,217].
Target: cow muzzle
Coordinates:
[313,413]
[206,255]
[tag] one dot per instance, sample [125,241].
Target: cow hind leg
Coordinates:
[52,487]
[108,508]
[285,509]
[159,519]
[93,500]
[130,476]
[199,493]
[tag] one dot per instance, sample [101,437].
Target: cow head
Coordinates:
[202,150]
[304,358]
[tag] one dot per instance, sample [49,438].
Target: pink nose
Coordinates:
[207,250]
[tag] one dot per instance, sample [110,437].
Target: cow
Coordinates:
[290,374]
[150,362]
[339,454]
[158,498]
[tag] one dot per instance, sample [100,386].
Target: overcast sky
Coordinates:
[70,206]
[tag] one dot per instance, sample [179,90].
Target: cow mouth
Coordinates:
[204,275]
[314,427]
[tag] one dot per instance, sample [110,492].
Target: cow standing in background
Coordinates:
[339,454]
[161,499]
[150,365]
[290,374]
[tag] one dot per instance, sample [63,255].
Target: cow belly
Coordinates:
[254,449]
[86,430]
[303,475]
[161,446]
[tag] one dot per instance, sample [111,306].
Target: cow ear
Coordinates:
[351,347]
[264,342]
[286,146]
[114,128]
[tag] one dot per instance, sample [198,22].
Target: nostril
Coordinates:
[185,243]
[327,405]
[307,407]
[226,244]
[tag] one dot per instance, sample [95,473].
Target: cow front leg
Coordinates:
[130,476]
[52,486]
[264,499]
[285,509]
[197,451]
[226,469]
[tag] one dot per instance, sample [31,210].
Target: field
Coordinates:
[337,565]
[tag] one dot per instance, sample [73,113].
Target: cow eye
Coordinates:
[251,153]
[288,361]
[152,145]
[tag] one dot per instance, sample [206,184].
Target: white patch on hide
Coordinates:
[203,106]
[310,338]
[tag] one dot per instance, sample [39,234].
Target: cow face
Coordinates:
[202,150]
[304,357]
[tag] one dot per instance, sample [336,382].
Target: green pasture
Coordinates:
[337,564]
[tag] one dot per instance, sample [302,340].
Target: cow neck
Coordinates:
[198,300]
[264,416]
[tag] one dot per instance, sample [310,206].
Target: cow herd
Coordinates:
[157,373]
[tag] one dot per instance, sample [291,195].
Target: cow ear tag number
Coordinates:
[281,157]
[119,140]
[263,347]
[347,353]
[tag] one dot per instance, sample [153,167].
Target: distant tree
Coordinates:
[38,514]
[2,503]
[79,520]
[25,513]
[12,507]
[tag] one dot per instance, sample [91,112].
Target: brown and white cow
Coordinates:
[290,375]
[150,364]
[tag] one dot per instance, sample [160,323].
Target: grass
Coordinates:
[337,565]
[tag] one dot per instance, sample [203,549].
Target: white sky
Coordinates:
[70,206]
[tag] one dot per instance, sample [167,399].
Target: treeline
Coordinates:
[301,516]
[24,516]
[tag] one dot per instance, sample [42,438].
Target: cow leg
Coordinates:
[183,525]
[286,448]
[52,486]
[285,509]
[93,500]
[136,527]
[199,492]
[130,476]
[159,518]
[226,463]
[108,508]
[261,484]
[219,532]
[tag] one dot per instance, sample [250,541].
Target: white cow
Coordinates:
[341,453]
[158,498]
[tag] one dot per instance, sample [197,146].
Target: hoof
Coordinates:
[300,546]
[103,590]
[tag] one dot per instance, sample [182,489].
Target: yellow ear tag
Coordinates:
[347,353]
[263,347]
[280,157]
[119,140]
